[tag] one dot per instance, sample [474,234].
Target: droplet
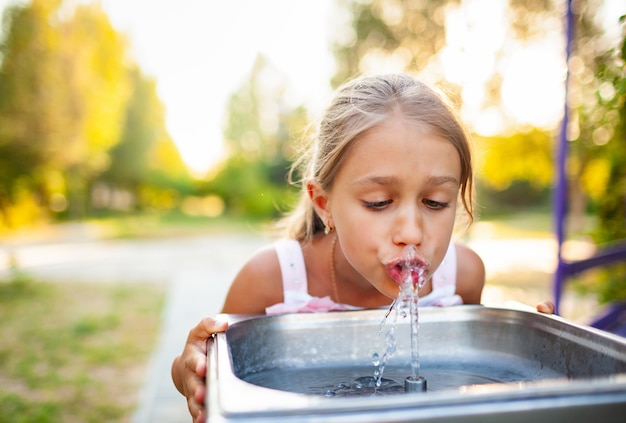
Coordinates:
[375,359]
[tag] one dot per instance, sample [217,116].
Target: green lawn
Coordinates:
[74,352]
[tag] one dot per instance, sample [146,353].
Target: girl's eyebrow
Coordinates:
[442,180]
[393,180]
[377,180]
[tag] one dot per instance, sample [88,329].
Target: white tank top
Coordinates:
[297,298]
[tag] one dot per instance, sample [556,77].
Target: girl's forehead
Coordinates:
[397,131]
[397,147]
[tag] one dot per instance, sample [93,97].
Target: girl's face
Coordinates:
[398,186]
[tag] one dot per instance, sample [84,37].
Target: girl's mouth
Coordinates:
[403,270]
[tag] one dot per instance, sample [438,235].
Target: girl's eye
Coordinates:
[435,205]
[376,205]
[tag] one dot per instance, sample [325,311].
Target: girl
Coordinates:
[388,166]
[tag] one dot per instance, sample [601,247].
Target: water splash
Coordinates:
[406,304]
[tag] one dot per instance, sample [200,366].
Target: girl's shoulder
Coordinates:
[472,269]
[257,285]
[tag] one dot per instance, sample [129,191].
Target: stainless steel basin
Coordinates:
[482,364]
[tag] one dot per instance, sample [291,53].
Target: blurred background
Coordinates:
[144,143]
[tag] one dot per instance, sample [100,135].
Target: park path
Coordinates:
[197,271]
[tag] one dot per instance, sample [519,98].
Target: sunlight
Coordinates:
[201,52]
[533,89]
[474,33]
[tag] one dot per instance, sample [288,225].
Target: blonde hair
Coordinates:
[358,106]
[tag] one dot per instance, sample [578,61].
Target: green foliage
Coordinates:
[596,166]
[261,134]
[144,122]
[17,409]
[248,189]
[608,284]
[63,84]
[522,156]
[99,87]
[518,195]
[610,201]
[28,119]
[77,118]
[611,198]
[411,32]
[145,162]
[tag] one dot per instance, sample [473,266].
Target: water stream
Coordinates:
[407,304]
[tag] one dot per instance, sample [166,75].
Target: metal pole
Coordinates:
[560,198]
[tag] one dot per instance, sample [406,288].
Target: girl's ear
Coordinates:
[319,199]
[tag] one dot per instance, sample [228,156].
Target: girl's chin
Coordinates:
[392,291]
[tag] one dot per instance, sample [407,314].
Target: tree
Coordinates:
[610,192]
[31,115]
[95,61]
[605,174]
[64,87]
[535,164]
[146,160]
[408,33]
[260,133]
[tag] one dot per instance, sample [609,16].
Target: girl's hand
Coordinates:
[189,368]
[546,307]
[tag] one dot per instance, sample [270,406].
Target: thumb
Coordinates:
[207,327]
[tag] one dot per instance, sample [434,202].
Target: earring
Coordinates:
[328,229]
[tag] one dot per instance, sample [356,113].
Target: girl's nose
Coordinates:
[408,227]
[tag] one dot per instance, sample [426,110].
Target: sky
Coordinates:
[200,51]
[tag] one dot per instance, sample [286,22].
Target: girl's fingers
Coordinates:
[546,307]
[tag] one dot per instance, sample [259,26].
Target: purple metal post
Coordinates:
[560,194]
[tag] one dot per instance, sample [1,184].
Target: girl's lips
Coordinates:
[397,270]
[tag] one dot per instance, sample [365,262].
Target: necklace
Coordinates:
[333,276]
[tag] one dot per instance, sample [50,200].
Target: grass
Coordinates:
[141,226]
[74,352]
[148,225]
